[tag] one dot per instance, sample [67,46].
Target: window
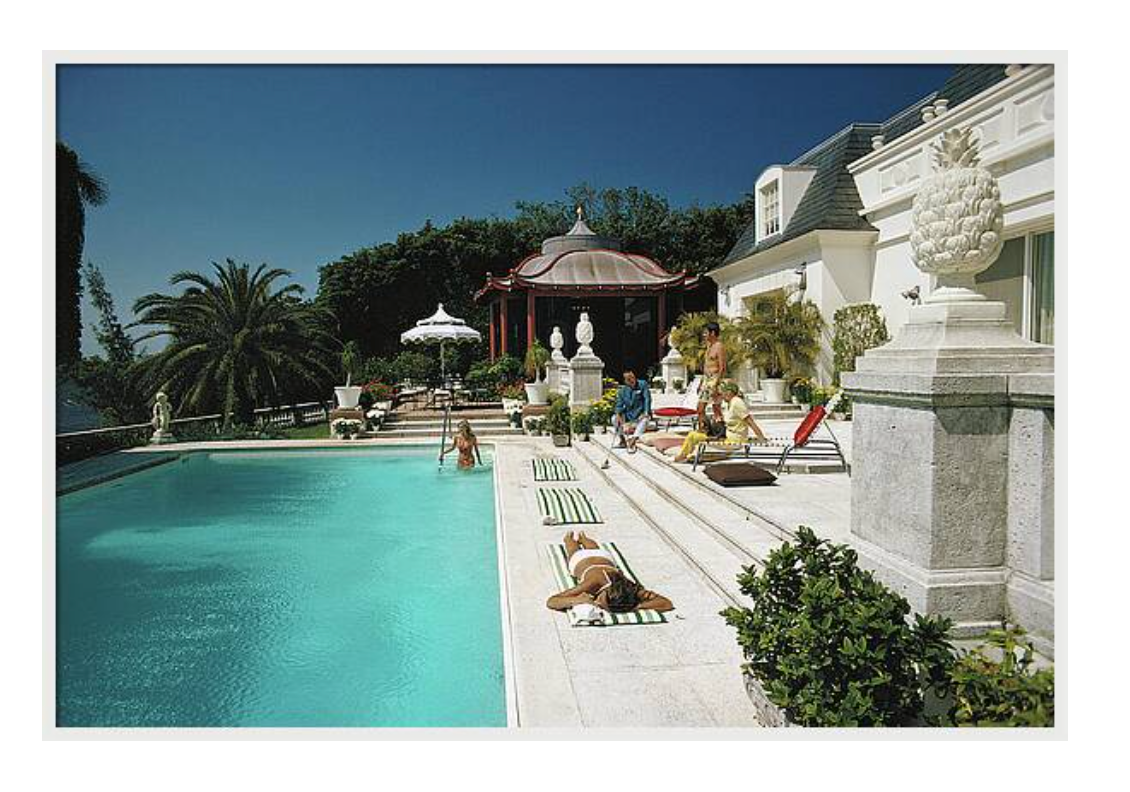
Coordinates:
[1023,278]
[770,209]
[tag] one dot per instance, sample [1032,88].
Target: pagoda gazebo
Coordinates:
[629,298]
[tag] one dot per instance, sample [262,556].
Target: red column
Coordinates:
[661,327]
[505,324]
[491,331]
[531,329]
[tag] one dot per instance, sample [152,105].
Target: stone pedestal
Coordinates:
[674,368]
[586,377]
[934,449]
[161,437]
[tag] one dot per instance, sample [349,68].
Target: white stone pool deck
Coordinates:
[680,539]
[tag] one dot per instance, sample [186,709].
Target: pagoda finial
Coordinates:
[580,212]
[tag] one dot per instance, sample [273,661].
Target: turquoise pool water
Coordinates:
[281,589]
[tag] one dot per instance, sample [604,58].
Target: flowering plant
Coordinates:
[515,389]
[380,391]
[345,427]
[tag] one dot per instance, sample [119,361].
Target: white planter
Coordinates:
[773,390]
[383,406]
[511,406]
[347,396]
[537,392]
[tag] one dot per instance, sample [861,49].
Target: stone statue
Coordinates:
[584,336]
[957,220]
[162,420]
[556,343]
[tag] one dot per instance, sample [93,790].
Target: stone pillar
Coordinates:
[586,370]
[937,441]
[673,367]
[1030,552]
[557,362]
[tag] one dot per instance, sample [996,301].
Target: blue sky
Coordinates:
[298,165]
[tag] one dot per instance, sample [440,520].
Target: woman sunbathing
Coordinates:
[601,583]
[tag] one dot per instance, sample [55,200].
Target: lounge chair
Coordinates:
[688,408]
[802,445]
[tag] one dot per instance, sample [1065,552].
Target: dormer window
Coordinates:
[771,209]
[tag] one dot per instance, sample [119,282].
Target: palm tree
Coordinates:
[782,335]
[76,187]
[235,342]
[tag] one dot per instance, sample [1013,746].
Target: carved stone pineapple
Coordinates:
[957,219]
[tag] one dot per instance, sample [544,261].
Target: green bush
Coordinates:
[831,645]
[1001,692]
[536,358]
[582,422]
[801,389]
[557,417]
[415,367]
[601,411]
[855,329]
[687,337]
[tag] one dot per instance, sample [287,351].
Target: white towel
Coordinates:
[587,615]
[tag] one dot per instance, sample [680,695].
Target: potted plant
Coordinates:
[581,423]
[680,386]
[557,421]
[345,428]
[600,414]
[537,389]
[800,390]
[349,395]
[782,336]
[513,395]
[658,384]
[381,395]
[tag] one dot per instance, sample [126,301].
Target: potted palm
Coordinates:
[537,389]
[349,395]
[782,337]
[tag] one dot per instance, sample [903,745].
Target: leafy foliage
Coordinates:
[1001,692]
[557,417]
[235,342]
[76,188]
[582,422]
[782,335]
[831,645]
[537,356]
[687,337]
[855,329]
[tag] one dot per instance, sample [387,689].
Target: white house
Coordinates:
[835,222]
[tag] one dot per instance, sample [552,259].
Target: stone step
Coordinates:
[437,425]
[436,434]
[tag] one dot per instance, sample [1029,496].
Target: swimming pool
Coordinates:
[296,588]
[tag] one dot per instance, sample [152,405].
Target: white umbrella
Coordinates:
[440,328]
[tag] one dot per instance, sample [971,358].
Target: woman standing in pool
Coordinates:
[466,443]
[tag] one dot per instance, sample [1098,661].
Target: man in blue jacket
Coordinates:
[633,410]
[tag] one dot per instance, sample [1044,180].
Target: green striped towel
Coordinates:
[560,565]
[553,469]
[565,505]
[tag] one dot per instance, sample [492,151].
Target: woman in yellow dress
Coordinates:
[735,413]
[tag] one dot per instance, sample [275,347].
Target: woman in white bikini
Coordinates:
[600,582]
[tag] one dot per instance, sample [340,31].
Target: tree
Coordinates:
[109,383]
[236,342]
[855,329]
[76,187]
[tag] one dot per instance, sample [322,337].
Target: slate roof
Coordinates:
[831,202]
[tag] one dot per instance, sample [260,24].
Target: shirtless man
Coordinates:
[601,582]
[714,371]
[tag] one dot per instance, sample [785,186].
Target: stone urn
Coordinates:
[537,392]
[773,390]
[348,396]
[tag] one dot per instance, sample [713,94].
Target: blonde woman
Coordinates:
[466,443]
[735,414]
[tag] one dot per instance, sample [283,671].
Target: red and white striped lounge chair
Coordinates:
[688,409]
[802,445]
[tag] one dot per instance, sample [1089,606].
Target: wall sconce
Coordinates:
[802,276]
[914,295]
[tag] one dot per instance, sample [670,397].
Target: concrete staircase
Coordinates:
[428,424]
[715,536]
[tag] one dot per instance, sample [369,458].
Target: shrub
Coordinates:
[512,390]
[830,644]
[415,367]
[801,389]
[582,422]
[536,358]
[557,417]
[1004,692]
[601,411]
[658,384]
[855,329]
[506,367]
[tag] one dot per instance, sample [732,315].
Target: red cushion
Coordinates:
[808,425]
[674,412]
